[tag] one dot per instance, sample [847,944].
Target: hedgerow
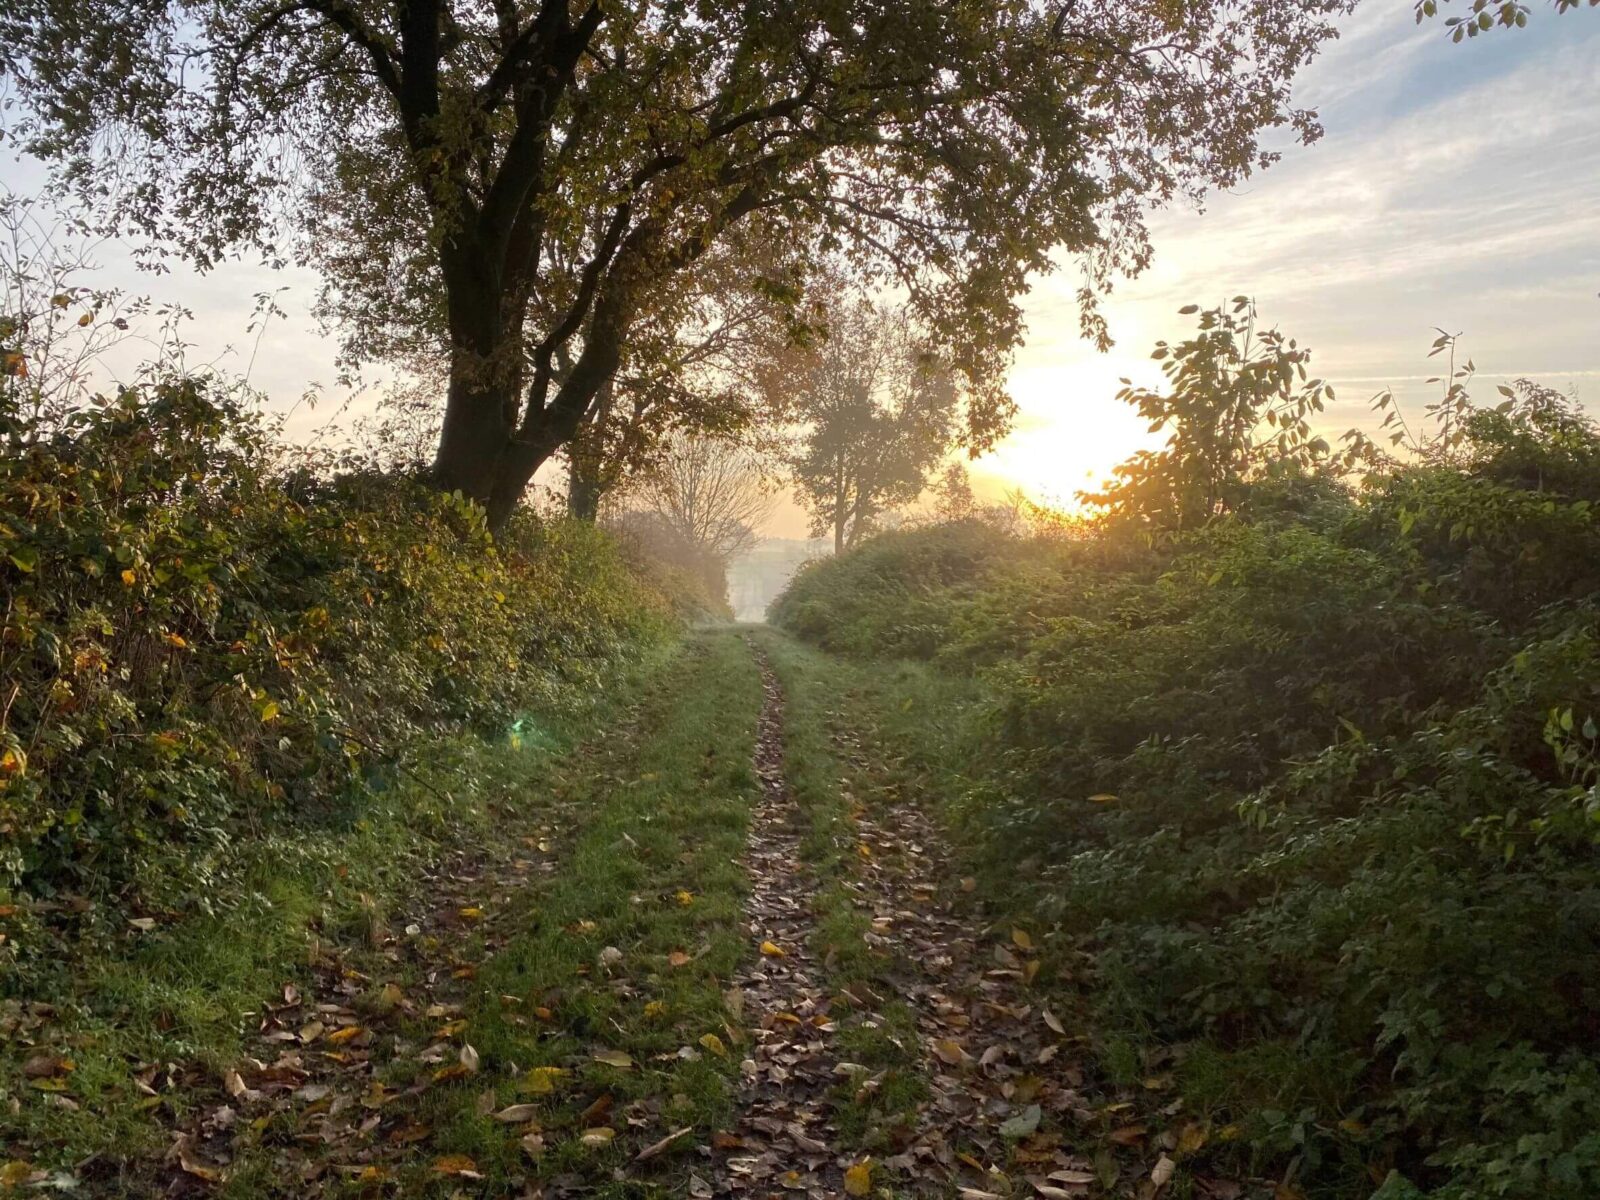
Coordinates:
[204,642]
[1313,782]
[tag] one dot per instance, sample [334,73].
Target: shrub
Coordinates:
[1317,785]
[199,644]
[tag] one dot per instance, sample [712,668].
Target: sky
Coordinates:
[1456,186]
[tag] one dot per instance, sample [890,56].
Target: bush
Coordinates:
[200,645]
[1315,783]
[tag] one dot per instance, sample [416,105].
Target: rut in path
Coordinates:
[783,1139]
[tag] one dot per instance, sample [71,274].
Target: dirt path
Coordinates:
[784,1138]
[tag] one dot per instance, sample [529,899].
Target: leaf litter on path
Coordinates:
[784,1139]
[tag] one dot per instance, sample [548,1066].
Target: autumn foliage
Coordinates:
[205,640]
[1307,774]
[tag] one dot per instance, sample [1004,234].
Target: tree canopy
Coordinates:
[499,182]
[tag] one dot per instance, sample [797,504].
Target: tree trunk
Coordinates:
[472,440]
[583,490]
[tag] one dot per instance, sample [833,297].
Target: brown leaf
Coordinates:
[655,1148]
[950,1052]
[456,1164]
[1161,1173]
[516,1114]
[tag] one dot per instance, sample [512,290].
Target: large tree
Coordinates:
[877,412]
[505,181]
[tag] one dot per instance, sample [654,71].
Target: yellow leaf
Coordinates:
[773,951]
[613,1058]
[598,1137]
[1102,798]
[129,578]
[345,1034]
[1191,1138]
[1021,939]
[471,913]
[858,1179]
[950,1052]
[714,1044]
[455,1164]
[656,1008]
[685,898]
[541,1081]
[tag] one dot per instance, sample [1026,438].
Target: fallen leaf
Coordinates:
[613,1058]
[1052,1021]
[678,959]
[655,1008]
[1023,1124]
[1127,1135]
[714,1044]
[655,1148]
[858,1179]
[456,1164]
[1161,1173]
[197,1168]
[468,1057]
[1020,939]
[950,1052]
[541,1081]
[1074,1177]
[610,956]
[516,1114]
[773,951]
[685,898]
[598,1137]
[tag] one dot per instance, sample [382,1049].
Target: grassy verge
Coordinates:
[185,992]
[604,1010]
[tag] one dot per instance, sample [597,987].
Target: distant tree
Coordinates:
[952,494]
[712,493]
[700,375]
[492,184]
[878,414]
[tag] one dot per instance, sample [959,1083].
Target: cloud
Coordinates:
[1454,187]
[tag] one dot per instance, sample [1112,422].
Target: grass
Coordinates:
[655,876]
[183,992]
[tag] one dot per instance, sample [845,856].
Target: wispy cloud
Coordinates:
[1455,187]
